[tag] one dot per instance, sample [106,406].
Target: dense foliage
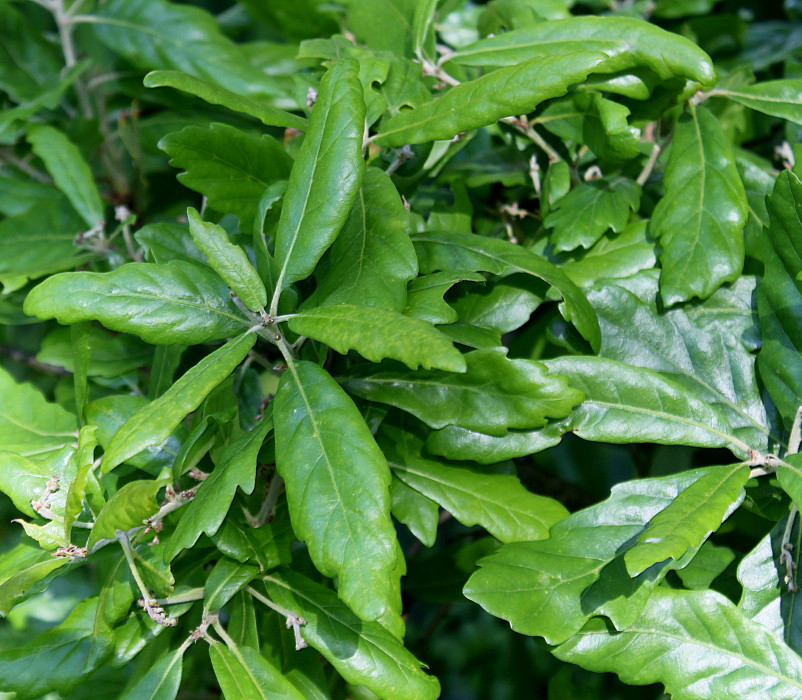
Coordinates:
[339,338]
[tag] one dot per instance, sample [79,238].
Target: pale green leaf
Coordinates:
[126,509]
[225,580]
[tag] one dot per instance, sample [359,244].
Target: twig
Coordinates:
[265,514]
[151,605]
[293,620]
[649,166]
[522,124]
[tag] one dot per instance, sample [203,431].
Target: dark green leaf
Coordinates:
[454,442]
[779,98]
[493,396]
[245,674]
[419,513]
[225,580]
[425,295]
[162,680]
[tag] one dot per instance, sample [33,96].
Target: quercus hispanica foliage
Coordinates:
[335,334]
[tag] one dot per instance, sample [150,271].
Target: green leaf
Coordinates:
[779,298]
[236,467]
[363,653]
[245,674]
[165,242]
[672,643]
[162,679]
[778,98]
[76,492]
[24,481]
[117,593]
[689,520]
[228,260]
[699,222]
[425,295]
[766,598]
[626,404]
[553,587]
[225,580]
[230,167]
[26,570]
[588,211]
[217,95]
[493,396]
[454,442]
[53,661]
[384,25]
[174,303]
[790,477]
[337,483]
[505,92]
[29,425]
[126,509]
[465,251]
[267,545]
[496,501]
[70,171]
[422,25]
[156,34]
[710,362]
[154,422]
[628,42]
[377,333]
[372,259]
[419,513]
[326,176]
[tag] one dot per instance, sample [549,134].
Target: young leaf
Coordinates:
[501,93]
[230,167]
[228,260]
[379,333]
[551,588]
[337,484]
[628,404]
[173,303]
[364,653]
[700,220]
[29,425]
[154,422]
[689,520]
[218,95]
[493,396]
[372,259]
[779,98]
[225,580]
[76,491]
[326,176]
[236,467]
[672,643]
[497,502]
[779,298]
[244,673]
[70,171]
[465,251]
[631,42]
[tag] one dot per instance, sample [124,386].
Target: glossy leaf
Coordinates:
[326,176]
[587,212]
[76,492]
[779,295]
[465,251]
[379,333]
[425,295]
[419,513]
[553,587]
[509,91]
[496,501]
[162,680]
[230,167]
[69,170]
[689,520]
[244,673]
[154,422]
[778,98]
[236,467]
[177,302]
[228,260]
[670,643]
[364,653]
[126,509]
[630,404]
[337,484]
[627,41]
[422,23]
[454,442]
[26,569]
[372,259]
[23,480]
[217,95]
[225,580]
[493,396]
[699,222]
[30,426]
